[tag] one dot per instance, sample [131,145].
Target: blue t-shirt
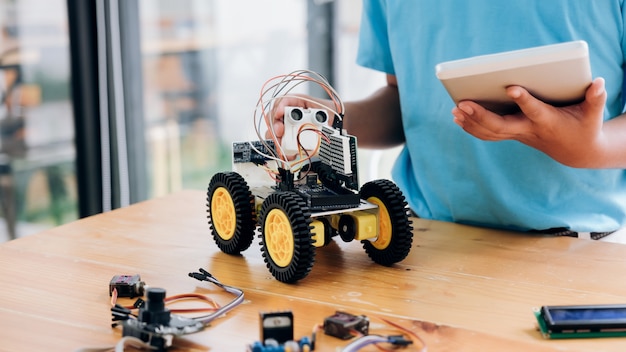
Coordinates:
[450,175]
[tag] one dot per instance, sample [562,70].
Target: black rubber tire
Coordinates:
[300,248]
[399,233]
[242,221]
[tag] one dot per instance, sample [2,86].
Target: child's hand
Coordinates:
[571,135]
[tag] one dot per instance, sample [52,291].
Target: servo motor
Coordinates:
[343,325]
[127,286]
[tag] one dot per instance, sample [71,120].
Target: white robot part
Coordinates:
[302,128]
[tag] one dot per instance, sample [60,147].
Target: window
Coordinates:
[37,154]
[203,65]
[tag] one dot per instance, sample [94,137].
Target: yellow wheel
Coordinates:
[231,212]
[286,238]
[384,224]
[224,214]
[279,237]
[395,234]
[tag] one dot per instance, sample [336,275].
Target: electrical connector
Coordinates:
[398,340]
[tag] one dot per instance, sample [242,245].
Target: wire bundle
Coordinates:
[204,275]
[272,92]
[407,338]
[213,305]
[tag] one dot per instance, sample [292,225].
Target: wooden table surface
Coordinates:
[461,289]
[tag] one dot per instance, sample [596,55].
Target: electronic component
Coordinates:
[558,74]
[303,345]
[127,286]
[581,321]
[253,152]
[344,325]
[339,152]
[155,324]
[277,326]
[319,198]
[297,136]
[277,335]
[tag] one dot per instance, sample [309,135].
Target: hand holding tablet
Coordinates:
[558,74]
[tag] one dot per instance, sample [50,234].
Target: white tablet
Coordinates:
[558,74]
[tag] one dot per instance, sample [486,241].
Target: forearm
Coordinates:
[376,120]
[605,149]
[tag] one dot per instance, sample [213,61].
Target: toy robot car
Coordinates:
[299,209]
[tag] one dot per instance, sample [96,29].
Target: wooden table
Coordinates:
[461,289]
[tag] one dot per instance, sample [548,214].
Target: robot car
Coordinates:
[306,200]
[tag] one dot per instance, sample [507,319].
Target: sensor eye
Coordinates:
[321,117]
[296,114]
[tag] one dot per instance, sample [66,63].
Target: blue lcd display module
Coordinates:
[582,321]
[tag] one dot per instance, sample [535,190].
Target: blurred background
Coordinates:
[110,102]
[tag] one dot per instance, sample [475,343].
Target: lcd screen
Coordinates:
[575,314]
